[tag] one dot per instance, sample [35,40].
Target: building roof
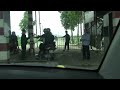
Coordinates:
[100,13]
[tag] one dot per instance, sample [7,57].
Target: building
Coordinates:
[101,25]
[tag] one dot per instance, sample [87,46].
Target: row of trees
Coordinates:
[72,19]
[69,20]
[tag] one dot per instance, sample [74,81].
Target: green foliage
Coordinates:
[19,41]
[59,11]
[24,22]
[70,19]
[65,19]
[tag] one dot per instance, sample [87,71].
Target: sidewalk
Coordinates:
[71,59]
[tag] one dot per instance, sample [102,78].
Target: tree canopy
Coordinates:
[65,20]
[24,22]
[70,19]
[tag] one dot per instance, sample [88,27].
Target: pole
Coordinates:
[83,14]
[95,18]
[36,25]
[39,22]
[78,35]
[30,28]
[110,26]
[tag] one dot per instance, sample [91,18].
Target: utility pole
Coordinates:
[36,25]
[78,34]
[30,28]
[82,22]
[39,22]
[83,14]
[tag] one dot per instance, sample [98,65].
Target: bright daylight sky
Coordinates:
[49,19]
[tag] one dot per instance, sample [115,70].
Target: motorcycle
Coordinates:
[49,52]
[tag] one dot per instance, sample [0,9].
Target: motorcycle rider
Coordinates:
[48,39]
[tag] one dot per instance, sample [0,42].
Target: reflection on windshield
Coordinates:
[63,39]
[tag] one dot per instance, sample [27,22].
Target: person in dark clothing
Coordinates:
[67,40]
[23,43]
[10,41]
[13,42]
[47,38]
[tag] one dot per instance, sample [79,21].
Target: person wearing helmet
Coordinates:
[47,38]
[10,41]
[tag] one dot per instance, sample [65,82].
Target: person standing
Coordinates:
[67,41]
[85,45]
[10,42]
[23,43]
[47,38]
[14,42]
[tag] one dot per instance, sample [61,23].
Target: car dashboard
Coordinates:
[38,72]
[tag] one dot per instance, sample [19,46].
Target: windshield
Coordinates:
[62,39]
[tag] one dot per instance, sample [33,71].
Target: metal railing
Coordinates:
[60,42]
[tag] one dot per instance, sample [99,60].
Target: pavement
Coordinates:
[69,59]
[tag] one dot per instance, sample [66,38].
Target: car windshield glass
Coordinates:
[64,39]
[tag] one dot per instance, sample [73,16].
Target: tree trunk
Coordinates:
[30,29]
[39,22]
[81,28]
[72,36]
[83,14]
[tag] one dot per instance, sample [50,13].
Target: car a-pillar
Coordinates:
[4,36]
[110,21]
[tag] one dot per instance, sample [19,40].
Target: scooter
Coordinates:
[49,53]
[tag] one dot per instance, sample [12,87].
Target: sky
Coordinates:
[49,19]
